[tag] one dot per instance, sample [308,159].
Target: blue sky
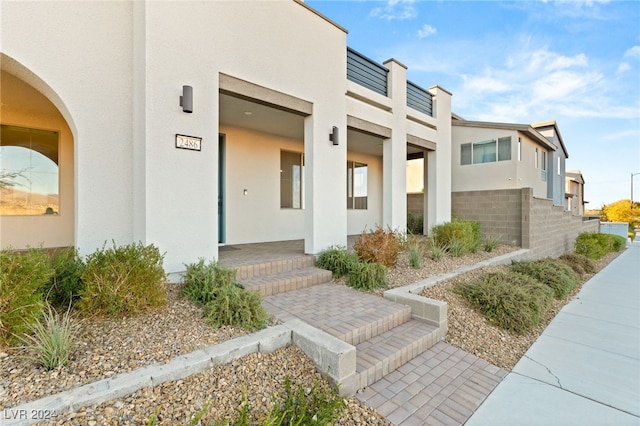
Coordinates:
[576,62]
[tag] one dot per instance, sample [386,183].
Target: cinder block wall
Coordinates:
[522,220]
[415,203]
[499,212]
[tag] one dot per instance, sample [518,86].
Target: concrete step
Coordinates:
[382,354]
[275,266]
[350,315]
[290,280]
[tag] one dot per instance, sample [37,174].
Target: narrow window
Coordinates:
[357,182]
[536,159]
[544,160]
[465,154]
[558,165]
[291,180]
[519,149]
[29,172]
[504,149]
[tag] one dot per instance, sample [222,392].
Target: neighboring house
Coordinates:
[495,156]
[286,134]
[575,192]
[556,163]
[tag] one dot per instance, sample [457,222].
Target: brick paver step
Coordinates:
[291,280]
[350,315]
[249,269]
[382,354]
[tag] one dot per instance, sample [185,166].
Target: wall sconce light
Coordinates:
[334,136]
[186,100]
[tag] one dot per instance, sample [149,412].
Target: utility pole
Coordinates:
[632,175]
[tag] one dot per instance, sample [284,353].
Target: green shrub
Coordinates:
[415,223]
[509,300]
[456,248]
[202,281]
[66,284]
[415,256]
[437,251]
[551,272]
[616,242]
[380,246]
[51,340]
[122,280]
[593,245]
[463,232]
[23,276]
[580,263]
[317,406]
[490,242]
[631,235]
[368,276]
[337,260]
[235,306]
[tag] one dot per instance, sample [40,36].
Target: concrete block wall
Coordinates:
[498,211]
[415,203]
[522,220]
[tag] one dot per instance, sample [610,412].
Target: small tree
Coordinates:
[622,211]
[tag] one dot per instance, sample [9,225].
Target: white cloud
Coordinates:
[426,31]
[623,67]
[395,10]
[633,52]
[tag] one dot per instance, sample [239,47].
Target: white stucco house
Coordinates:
[282,132]
[498,156]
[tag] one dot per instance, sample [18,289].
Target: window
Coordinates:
[356,185]
[485,151]
[504,149]
[519,149]
[28,171]
[543,173]
[559,166]
[536,159]
[291,166]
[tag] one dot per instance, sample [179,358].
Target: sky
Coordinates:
[573,61]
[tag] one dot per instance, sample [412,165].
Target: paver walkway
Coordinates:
[443,386]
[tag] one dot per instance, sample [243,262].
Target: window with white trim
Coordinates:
[357,183]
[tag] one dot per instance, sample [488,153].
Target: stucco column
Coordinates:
[325,176]
[394,161]
[438,163]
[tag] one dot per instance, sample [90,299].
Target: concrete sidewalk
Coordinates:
[585,367]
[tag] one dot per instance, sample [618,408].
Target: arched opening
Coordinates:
[37,207]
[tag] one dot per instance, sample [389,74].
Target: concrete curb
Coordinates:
[334,358]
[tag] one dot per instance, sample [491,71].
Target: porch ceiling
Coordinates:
[250,115]
[367,144]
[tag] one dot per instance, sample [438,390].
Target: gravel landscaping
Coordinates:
[109,347]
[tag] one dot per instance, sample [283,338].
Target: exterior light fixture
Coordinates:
[186,100]
[334,136]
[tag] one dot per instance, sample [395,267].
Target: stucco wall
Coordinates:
[523,220]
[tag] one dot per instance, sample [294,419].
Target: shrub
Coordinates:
[415,256]
[456,248]
[438,251]
[509,300]
[66,284]
[379,246]
[23,276]
[593,245]
[122,280]
[235,306]
[415,223]
[317,406]
[337,260]
[51,339]
[551,272]
[463,232]
[202,281]
[368,276]
[490,242]
[616,242]
[580,263]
